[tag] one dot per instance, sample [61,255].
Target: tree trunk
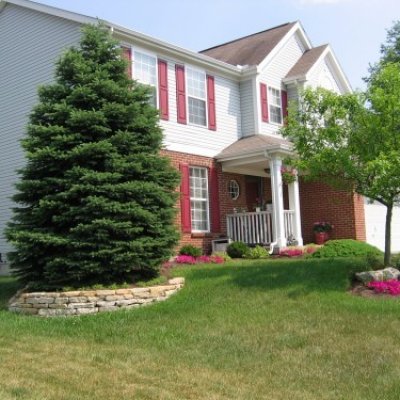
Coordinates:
[388,228]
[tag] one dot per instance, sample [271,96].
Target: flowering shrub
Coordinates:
[210,259]
[322,227]
[311,249]
[291,252]
[184,259]
[392,287]
[288,174]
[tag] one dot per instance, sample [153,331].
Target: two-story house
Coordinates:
[220,109]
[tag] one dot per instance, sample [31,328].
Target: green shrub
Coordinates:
[237,250]
[374,261]
[346,248]
[257,252]
[396,260]
[190,250]
[223,255]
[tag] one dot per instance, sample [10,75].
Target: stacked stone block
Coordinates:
[50,304]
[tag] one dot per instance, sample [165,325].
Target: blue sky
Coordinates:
[354,28]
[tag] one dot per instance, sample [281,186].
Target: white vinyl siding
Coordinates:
[31,42]
[145,71]
[196,139]
[196,96]
[247,96]
[199,199]
[321,75]
[274,72]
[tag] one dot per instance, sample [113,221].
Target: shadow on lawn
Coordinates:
[304,276]
[8,287]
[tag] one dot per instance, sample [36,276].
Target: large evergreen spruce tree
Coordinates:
[95,199]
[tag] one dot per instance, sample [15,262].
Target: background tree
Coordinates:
[96,199]
[390,50]
[353,140]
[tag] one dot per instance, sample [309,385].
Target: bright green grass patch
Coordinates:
[250,330]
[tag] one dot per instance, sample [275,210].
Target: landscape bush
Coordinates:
[346,248]
[256,253]
[190,250]
[237,250]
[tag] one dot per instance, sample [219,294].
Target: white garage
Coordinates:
[375,216]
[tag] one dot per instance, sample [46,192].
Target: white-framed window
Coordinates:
[275,105]
[196,96]
[145,71]
[233,189]
[199,203]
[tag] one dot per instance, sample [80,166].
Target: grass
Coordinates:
[250,330]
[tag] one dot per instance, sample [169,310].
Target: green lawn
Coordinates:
[260,330]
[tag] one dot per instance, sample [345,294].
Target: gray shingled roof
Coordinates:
[306,61]
[252,144]
[249,50]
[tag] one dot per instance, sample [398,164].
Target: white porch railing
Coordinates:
[256,227]
[288,220]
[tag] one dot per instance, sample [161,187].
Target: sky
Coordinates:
[354,28]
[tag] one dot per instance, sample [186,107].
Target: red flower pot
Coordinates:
[321,237]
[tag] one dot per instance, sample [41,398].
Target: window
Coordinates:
[199,199]
[196,93]
[145,71]
[233,189]
[275,105]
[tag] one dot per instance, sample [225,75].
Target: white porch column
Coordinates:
[277,201]
[294,204]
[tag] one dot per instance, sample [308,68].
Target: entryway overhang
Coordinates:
[250,155]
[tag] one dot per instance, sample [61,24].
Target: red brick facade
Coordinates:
[344,210]
[319,202]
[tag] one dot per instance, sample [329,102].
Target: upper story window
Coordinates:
[275,105]
[145,71]
[196,94]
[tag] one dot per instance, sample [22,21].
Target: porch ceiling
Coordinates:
[250,155]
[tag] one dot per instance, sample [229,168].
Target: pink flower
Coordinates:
[184,259]
[391,286]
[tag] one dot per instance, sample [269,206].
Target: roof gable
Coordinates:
[252,49]
[306,62]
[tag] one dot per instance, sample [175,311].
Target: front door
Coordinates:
[253,192]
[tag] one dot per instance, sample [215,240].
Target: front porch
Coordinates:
[277,224]
[257,227]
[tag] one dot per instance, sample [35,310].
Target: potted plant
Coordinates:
[321,231]
[289,175]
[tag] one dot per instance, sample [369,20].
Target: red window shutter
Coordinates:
[212,119]
[284,105]
[186,218]
[215,212]
[127,55]
[180,94]
[264,102]
[163,89]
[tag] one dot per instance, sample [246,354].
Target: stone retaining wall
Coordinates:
[51,304]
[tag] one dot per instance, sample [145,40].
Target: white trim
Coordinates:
[303,36]
[337,70]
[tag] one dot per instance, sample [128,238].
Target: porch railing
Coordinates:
[250,227]
[288,221]
[256,227]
